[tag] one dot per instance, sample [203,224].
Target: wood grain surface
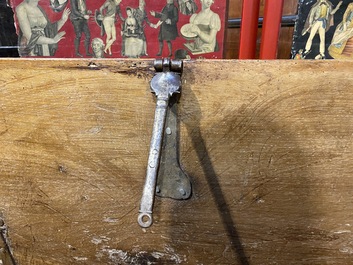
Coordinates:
[267,145]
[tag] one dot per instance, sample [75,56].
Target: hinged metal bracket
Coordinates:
[163,158]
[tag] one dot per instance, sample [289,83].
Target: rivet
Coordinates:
[182,191]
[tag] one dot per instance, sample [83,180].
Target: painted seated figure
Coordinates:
[205,26]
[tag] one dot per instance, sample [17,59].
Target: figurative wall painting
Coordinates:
[324,30]
[120,28]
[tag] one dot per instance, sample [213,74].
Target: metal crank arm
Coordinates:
[164,84]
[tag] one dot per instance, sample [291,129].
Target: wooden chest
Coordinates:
[267,146]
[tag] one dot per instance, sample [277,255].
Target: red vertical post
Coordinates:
[248,30]
[271,28]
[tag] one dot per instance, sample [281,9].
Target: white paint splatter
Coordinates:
[157,255]
[342,231]
[117,256]
[80,258]
[110,220]
[347,250]
[114,253]
[172,255]
[98,240]
[95,130]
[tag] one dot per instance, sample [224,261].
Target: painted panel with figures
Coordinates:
[120,28]
[324,30]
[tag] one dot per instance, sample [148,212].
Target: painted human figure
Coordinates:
[38,36]
[97,48]
[110,9]
[205,25]
[142,19]
[168,32]
[344,30]
[58,5]
[132,43]
[187,7]
[79,17]
[319,20]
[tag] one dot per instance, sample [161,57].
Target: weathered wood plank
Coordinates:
[268,146]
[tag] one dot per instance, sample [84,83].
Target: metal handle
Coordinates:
[164,84]
[145,218]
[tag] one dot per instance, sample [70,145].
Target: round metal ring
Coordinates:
[145,220]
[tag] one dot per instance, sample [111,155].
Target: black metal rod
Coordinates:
[287,21]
